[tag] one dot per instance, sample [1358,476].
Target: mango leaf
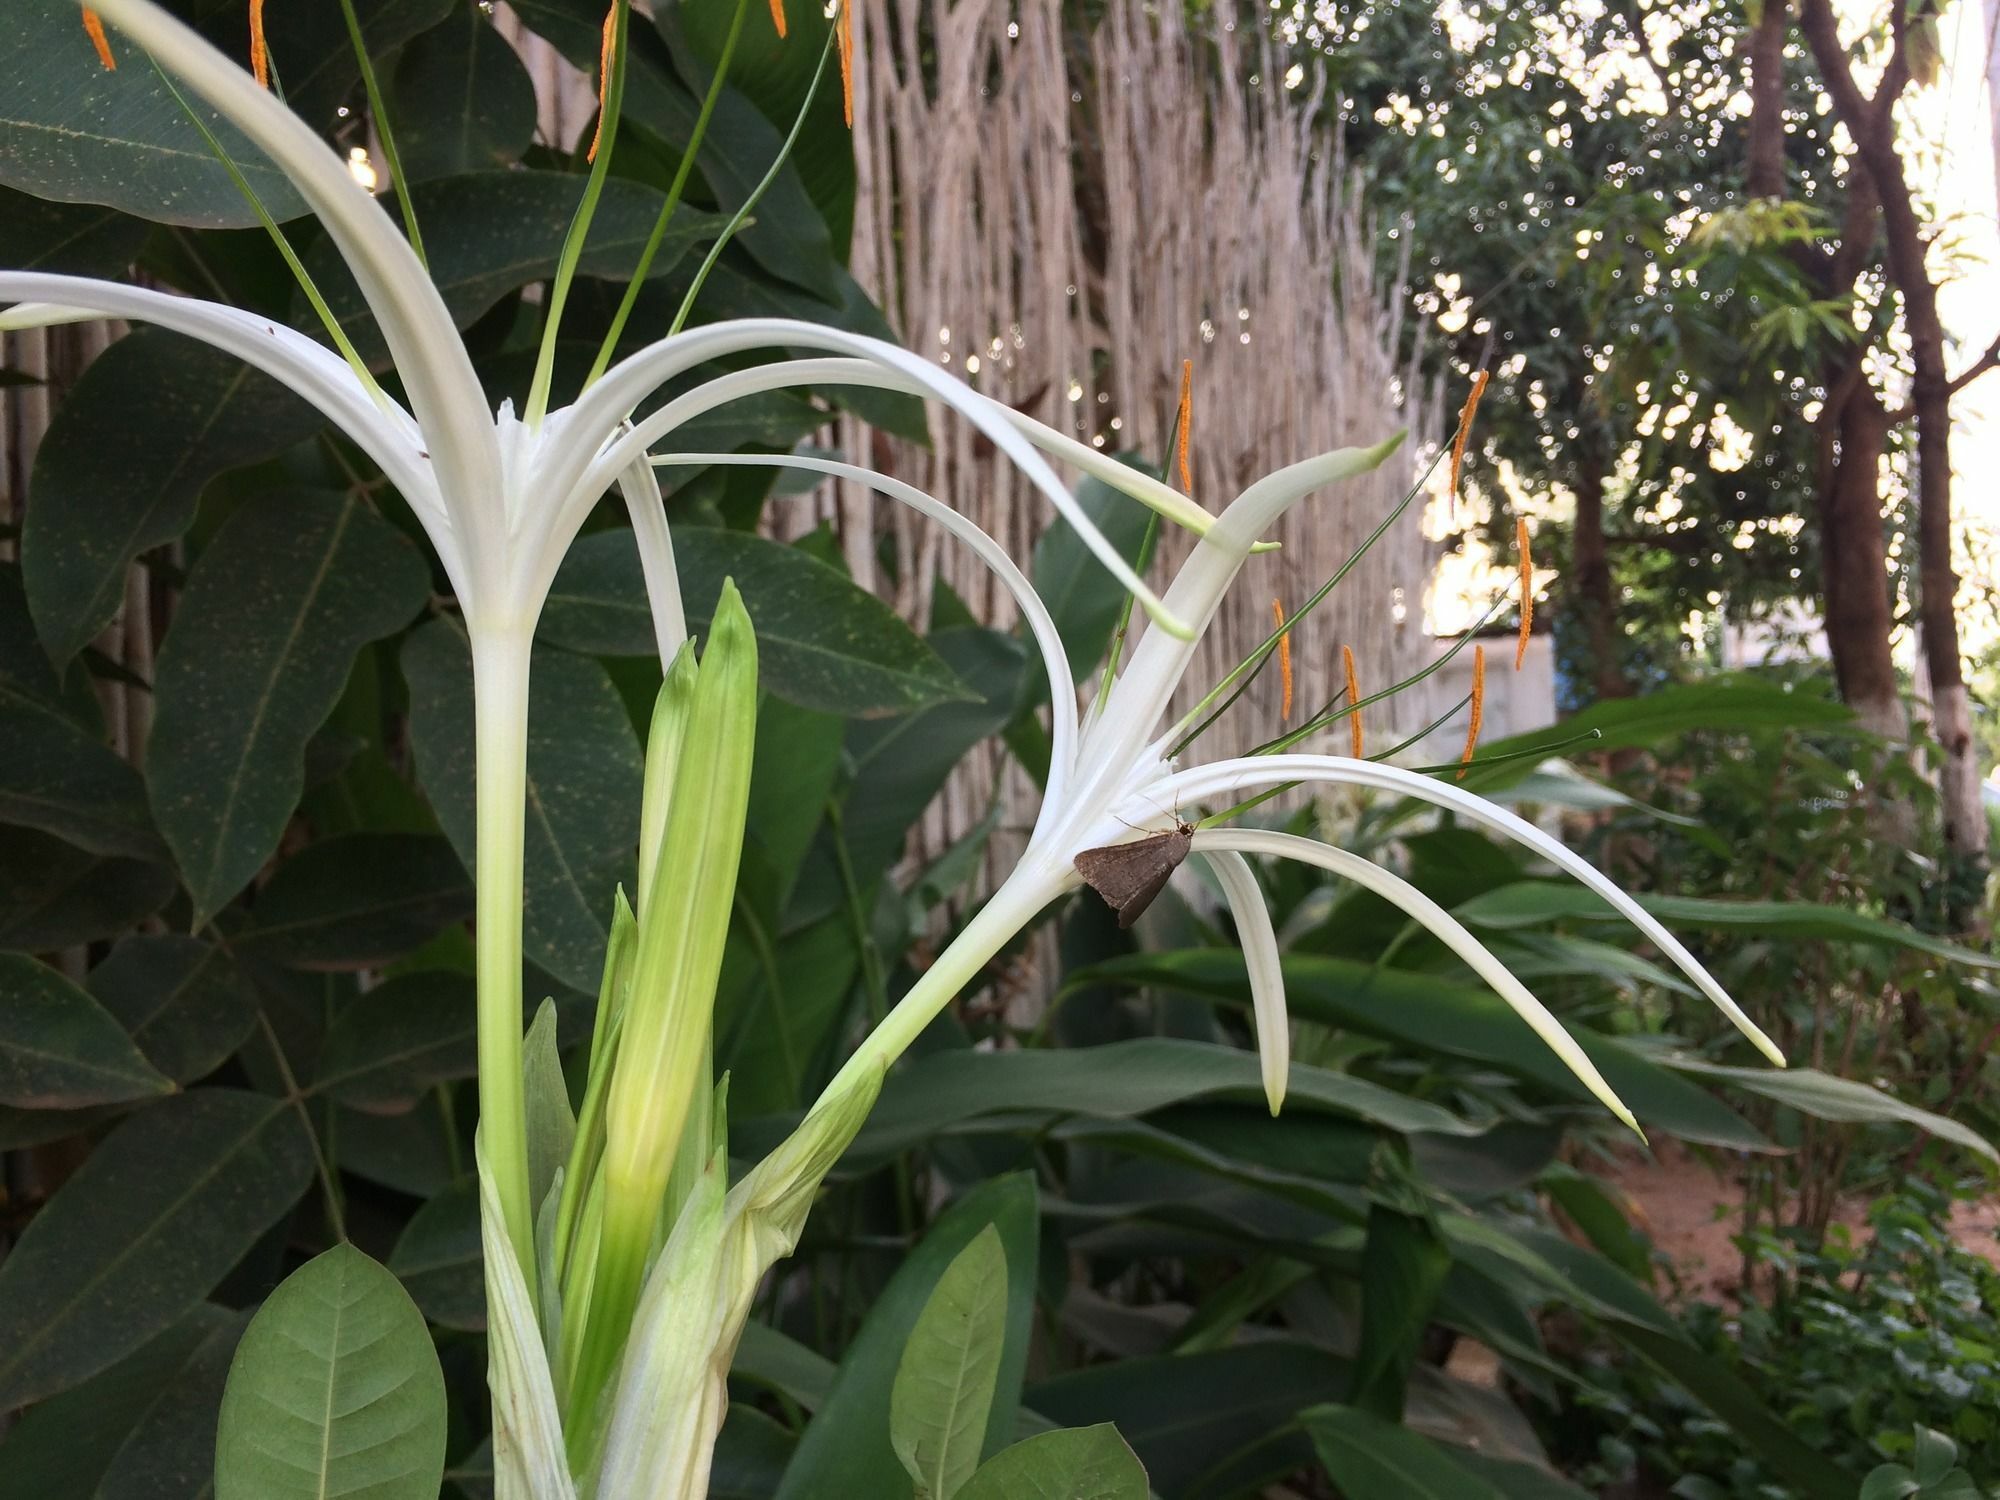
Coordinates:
[1071,580]
[943,1390]
[54,895]
[823,642]
[71,130]
[76,239]
[142,1430]
[335,1390]
[183,1001]
[1439,1017]
[1071,1463]
[60,1049]
[148,425]
[437,1258]
[280,602]
[462,101]
[359,900]
[584,770]
[1826,1097]
[1530,903]
[506,230]
[158,1214]
[847,1449]
[1368,1456]
[387,1050]
[61,779]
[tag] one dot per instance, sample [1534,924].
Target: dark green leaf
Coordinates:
[61,779]
[1403,1268]
[151,422]
[183,1001]
[335,1390]
[822,641]
[1072,581]
[75,239]
[359,900]
[165,1205]
[846,1449]
[1826,1097]
[313,55]
[60,1049]
[1372,1459]
[387,1050]
[462,101]
[54,895]
[584,770]
[943,1391]
[1071,1463]
[292,587]
[73,131]
[438,1259]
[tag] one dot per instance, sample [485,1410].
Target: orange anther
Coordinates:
[1183,421]
[778,17]
[95,27]
[1478,708]
[604,76]
[1284,657]
[1353,698]
[846,24]
[1527,593]
[260,54]
[1464,432]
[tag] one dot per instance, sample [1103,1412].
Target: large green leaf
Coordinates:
[359,900]
[281,601]
[1071,1463]
[312,53]
[1530,903]
[584,770]
[1115,1081]
[943,1390]
[462,101]
[386,1051]
[438,1259]
[142,1430]
[823,642]
[71,130]
[77,239]
[847,1448]
[1403,1268]
[1442,1018]
[1072,581]
[159,1213]
[335,1390]
[184,1002]
[54,895]
[60,1049]
[149,424]
[1369,1458]
[1826,1097]
[58,777]
[506,230]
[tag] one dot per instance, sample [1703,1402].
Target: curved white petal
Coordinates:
[1062,692]
[436,371]
[377,425]
[1230,776]
[1260,957]
[656,557]
[628,382]
[1392,887]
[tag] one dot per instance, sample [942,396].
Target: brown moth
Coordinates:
[1129,876]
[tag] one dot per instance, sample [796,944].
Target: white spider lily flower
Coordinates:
[500,499]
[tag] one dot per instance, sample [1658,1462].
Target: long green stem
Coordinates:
[378,110]
[500,699]
[674,189]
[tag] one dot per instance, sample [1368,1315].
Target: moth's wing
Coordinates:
[1130,910]
[1129,876]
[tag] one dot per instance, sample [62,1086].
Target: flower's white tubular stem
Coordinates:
[445,394]
[1228,777]
[1055,661]
[1441,924]
[1261,959]
[382,430]
[632,378]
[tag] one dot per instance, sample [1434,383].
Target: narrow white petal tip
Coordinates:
[1274,1094]
[1389,444]
[25,315]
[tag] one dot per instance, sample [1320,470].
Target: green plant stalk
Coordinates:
[674,190]
[579,225]
[500,779]
[378,109]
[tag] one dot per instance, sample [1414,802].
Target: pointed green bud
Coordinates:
[664,739]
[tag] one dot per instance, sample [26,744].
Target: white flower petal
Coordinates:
[631,379]
[1260,957]
[641,489]
[1447,928]
[1227,777]
[436,371]
[1055,663]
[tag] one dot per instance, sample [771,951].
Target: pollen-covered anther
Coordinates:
[1353,698]
[260,52]
[1284,657]
[845,23]
[1182,420]
[1478,708]
[93,26]
[1527,592]
[778,17]
[1464,432]
[604,61]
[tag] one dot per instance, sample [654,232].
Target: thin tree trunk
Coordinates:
[1596,606]
[1854,561]
[1765,177]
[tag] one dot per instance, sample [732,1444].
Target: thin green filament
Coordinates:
[378,110]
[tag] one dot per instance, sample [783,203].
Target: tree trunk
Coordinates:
[1854,559]
[1595,605]
[1765,175]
